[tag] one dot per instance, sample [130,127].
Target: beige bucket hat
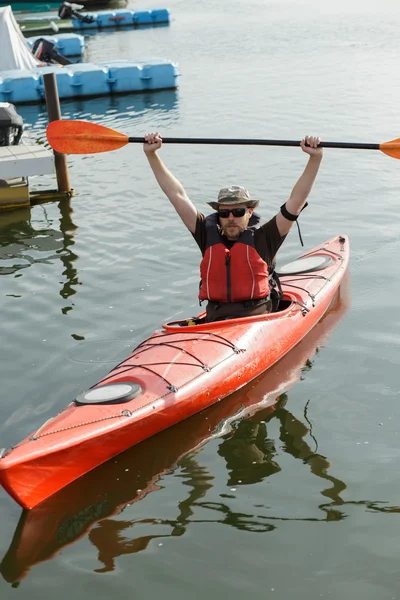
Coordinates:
[234,194]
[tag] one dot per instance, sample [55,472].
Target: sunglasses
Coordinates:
[237,212]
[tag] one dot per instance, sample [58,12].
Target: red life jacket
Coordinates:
[232,275]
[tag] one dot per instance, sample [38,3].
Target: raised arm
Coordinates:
[171,187]
[303,187]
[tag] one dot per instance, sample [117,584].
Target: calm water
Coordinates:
[302,500]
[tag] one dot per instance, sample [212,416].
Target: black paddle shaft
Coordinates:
[253,142]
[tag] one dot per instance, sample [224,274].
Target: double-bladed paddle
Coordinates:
[83,137]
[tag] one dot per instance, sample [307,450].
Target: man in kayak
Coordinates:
[238,251]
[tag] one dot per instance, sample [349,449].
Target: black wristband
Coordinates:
[289,215]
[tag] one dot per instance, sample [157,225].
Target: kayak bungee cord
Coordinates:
[130,413]
[146,346]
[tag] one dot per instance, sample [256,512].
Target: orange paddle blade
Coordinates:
[82,137]
[391,148]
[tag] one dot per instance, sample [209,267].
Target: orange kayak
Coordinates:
[178,371]
[87,506]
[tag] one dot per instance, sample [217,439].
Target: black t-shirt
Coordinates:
[267,239]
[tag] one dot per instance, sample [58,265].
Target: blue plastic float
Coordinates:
[67,44]
[87,79]
[108,18]
[123,18]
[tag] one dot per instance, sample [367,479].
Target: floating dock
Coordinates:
[24,161]
[16,164]
[123,18]
[81,80]
[105,19]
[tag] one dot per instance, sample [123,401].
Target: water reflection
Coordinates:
[22,245]
[292,435]
[250,457]
[240,425]
[106,110]
[66,254]
[248,452]
[123,108]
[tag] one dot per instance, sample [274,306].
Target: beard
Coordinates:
[232,230]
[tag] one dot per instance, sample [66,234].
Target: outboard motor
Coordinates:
[11,125]
[46,51]
[70,10]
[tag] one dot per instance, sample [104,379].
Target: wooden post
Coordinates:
[54,113]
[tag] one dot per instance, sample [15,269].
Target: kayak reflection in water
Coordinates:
[232,240]
[250,457]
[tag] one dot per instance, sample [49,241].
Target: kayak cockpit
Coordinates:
[199,322]
[309,264]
